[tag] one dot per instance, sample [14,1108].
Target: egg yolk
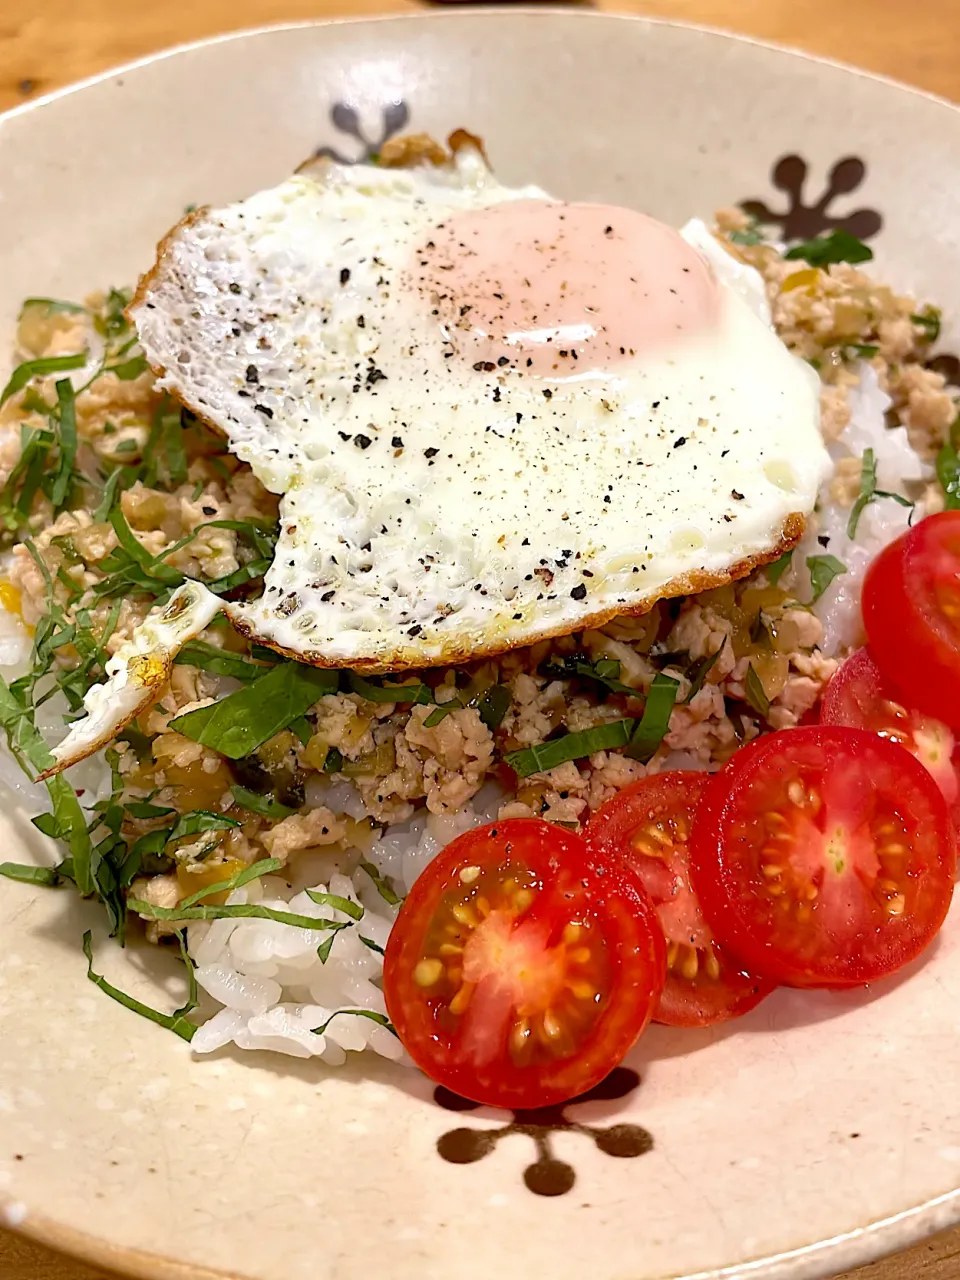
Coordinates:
[557,290]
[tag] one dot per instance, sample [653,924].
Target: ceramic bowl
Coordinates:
[816,1133]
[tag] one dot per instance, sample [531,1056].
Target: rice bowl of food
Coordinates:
[477,637]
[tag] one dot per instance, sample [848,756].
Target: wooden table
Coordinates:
[46,43]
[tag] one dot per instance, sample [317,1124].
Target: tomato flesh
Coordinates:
[911,612]
[648,825]
[823,856]
[522,967]
[859,697]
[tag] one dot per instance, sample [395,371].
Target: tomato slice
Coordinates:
[858,696]
[522,967]
[911,612]
[648,825]
[823,857]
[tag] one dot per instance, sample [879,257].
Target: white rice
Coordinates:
[898,469]
[274,989]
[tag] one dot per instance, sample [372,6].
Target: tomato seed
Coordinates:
[462,999]
[428,972]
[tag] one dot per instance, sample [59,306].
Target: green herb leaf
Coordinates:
[175,450]
[219,662]
[242,911]
[698,671]
[144,810]
[193,995]
[755,693]
[200,820]
[493,704]
[325,947]
[929,319]
[47,824]
[380,1019]
[746,236]
[385,890]
[108,497]
[301,728]
[441,711]
[51,306]
[68,442]
[368,942]
[175,1022]
[948,473]
[41,368]
[30,749]
[150,565]
[333,761]
[28,874]
[838,246]
[651,730]
[351,909]
[572,746]
[112,323]
[256,869]
[412,691]
[127,370]
[868,488]
[606,671]
[243,721]
[254,803]
[778,568]
[823,570]
[869,493]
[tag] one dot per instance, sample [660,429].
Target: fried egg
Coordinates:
[494,417]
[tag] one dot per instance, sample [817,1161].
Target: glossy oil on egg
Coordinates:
[493,417]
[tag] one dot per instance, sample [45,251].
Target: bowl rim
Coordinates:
[491,11]
[817,1261]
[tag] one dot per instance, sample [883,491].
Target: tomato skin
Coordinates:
[915,644]
[668,801]
[847,937]
[469,1054]
[860,697]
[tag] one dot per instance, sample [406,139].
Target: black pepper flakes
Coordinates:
[362,441]
[252,375]
[344,274]
[397,442]
[736,495]
[579,592]
[264,409]
[430,453]
[235,288]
